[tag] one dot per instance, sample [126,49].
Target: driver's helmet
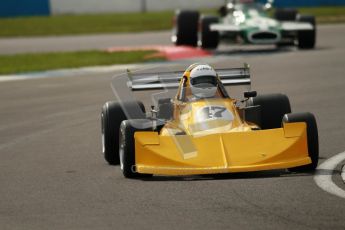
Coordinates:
[203,81]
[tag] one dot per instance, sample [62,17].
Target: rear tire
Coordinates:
[273,107]
[307,38]
[187,28]
[312,138]
[111,117]
[285,14]
[127,145]
[209,39]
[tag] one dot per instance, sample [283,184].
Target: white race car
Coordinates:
[246,22]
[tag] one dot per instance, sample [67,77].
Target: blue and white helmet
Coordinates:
[203,81]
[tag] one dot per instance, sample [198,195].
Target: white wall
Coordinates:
[99,6]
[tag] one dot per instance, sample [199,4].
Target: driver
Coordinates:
[203,82]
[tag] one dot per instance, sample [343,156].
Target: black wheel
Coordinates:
[127,145]
[111,117]
[285,14]
[312,138]
[273,107]
[307,38]
[187,28]
[165,109]
[209,39]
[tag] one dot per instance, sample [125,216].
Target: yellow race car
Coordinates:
[202,130]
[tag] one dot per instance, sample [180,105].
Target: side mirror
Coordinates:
[250,94]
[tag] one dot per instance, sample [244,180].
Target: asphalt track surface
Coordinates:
[53,175]
[81,42]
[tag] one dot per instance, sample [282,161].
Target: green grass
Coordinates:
[118,23]
[85,24]
[10,64]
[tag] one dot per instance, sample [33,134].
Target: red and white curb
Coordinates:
[171,53]
[325,171]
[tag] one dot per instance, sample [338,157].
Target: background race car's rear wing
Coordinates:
[146,81]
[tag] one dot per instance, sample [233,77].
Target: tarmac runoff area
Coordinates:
[53,175]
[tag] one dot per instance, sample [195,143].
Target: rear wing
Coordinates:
[148,81]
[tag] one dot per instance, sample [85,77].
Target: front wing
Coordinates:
[285,26]
[222,153]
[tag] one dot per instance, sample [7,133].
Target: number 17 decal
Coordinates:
[214,112]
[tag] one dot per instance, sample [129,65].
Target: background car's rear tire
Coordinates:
[111,117]
[273,107]
[285,14]
[127,145]
[209,39]
[187,28]
[312,138]
[306,38]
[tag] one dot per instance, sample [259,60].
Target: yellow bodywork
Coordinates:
[209,136]
[222,153]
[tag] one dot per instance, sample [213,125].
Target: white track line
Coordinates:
[323,177]
[70,72]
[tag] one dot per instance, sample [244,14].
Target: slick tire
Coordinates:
[187,28]
[312,138]
[209,39]
[273,107]
[306,39]
[111,117]
[127,145]
[285,14]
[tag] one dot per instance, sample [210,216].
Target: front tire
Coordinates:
[307,38]
[111,117]
[127,145]
[273,107]
[312,138]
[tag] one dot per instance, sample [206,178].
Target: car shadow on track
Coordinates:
[230,176]
[252,51]
[264,50]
